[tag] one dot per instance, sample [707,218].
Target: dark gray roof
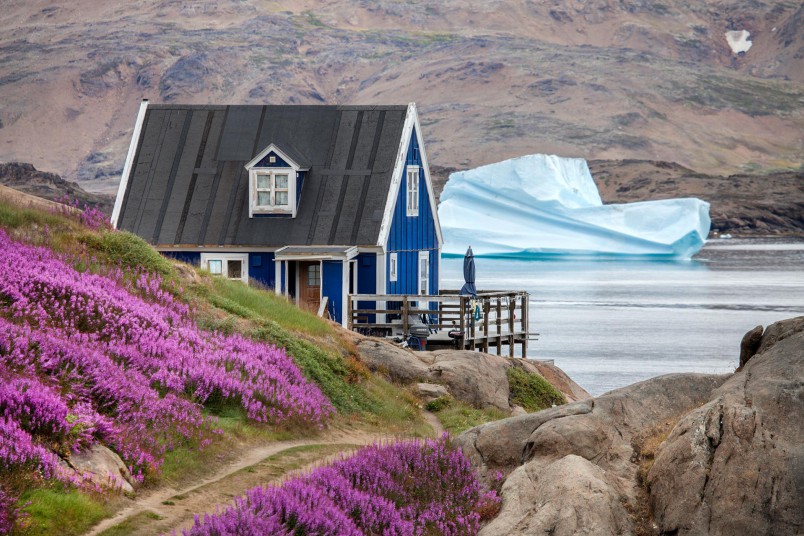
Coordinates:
[188,184]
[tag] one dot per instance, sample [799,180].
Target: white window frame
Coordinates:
[423,256]
[224,258]
[272,207]
[412,194]
[393,266]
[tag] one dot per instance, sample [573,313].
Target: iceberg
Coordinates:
[543,206]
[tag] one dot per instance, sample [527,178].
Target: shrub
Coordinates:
[406,488]
[531,391]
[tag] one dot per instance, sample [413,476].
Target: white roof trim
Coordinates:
[132,149]
[280,153]
[411,122]
[396,177]
[348,254]
[427,180]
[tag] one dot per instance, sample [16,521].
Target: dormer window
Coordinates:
[273,190]
[275,181]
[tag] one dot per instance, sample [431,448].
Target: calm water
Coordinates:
[611,323]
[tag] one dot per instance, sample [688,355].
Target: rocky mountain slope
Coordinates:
[684,454]
[604,79]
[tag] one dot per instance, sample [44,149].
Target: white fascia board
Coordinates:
[396,177]
[216,249]
[427,180]
[280,153]
[132,149]
[347,255]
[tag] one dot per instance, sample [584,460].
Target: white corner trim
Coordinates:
[132,148]
[396,177]
[427,180]
[344,291]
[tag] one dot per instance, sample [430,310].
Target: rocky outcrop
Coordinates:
[476,378]
[736,464]
[733,462]
[103,467]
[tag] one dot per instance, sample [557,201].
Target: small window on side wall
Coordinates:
[424,273]
[412,180]
[392,267]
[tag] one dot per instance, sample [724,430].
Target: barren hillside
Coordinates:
[603,79]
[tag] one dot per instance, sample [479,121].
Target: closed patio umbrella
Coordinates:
[468,289]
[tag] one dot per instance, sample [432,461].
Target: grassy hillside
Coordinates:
[105,341]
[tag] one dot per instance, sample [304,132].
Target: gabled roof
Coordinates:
[188,185]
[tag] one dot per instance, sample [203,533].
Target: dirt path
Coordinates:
[167,508]
[432,420]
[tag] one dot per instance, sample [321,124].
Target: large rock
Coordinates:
[102,466]
[736,465]
[569,496]
[399,364]
[733,462]
[476,378]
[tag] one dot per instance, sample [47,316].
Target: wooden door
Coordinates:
[310,285]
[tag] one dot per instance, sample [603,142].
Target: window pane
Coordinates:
[214,266]
[234,269]
[281,181]
[313,275]
[263,199]
[264,181]
[281,198]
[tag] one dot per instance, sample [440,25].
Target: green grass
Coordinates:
[457,416]
[531,391]
[254,302]
[128,249]
[61,511]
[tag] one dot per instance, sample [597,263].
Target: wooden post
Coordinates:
[511,311]
[486,307]
[472,327]
[349,314]
[499,325]
[405,309]
[525,326]
[462,314]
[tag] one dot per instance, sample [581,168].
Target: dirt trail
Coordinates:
[432,420]
[167,508]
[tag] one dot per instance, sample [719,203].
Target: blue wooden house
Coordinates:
[317,202]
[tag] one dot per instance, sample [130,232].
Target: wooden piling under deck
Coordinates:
[503,318]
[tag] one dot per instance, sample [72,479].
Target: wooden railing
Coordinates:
[503,316]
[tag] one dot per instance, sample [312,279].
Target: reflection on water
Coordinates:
[611,323]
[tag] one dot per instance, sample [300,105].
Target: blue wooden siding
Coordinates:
[367,280]
[260,265]
[411,234]
[266,161]
[332,287]
[190,257]
[262,268]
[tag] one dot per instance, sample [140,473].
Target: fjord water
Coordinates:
[612,323]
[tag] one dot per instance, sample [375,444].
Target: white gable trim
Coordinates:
[411,122]
[280,153]
[427,180]
[132,149]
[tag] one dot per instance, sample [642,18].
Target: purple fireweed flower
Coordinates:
[406,488]
[115,358]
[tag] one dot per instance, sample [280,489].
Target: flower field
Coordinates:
[406,488]
[114,358]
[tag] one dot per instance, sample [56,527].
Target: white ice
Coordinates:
[544,205]
[738,40]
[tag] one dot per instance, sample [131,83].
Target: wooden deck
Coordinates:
[503,318]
